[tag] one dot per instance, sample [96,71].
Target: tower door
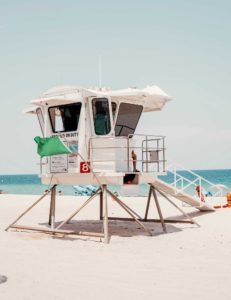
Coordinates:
[64,120]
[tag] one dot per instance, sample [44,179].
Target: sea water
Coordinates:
[31,184]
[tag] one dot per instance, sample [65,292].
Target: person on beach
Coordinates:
[128,178]
[134,161]
[199,193]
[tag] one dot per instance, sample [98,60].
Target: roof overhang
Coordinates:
[53,101]
[31,110]
[152,97]
[59,95]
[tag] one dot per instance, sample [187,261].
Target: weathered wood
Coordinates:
[134,217]
[150,220]
[101,205]
[78,210]
[105,215]
[129,208]
[52,208]
[60,231]
[158,209]
[148,204]
[103,192]
[177,207]
[29,208]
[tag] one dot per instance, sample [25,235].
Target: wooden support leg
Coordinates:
[59,231]
[105,215]
[134,215]
[177,207]
[148,204]
[129,208]
[28,209]
[52,209]
[158,209]
[78,210]
[101,205]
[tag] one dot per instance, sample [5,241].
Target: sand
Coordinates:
[188,262]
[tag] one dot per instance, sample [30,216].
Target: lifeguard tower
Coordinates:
[100,125]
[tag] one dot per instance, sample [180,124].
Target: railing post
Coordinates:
[200,191]
[128,150]
[146,151]
[158,163]
[175,178]
[164,154]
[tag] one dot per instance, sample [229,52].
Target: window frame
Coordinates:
[137,121]
[41,120]
[92,114]
[60,106]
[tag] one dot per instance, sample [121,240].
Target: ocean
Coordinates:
[31,184]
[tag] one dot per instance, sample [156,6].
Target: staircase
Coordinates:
[181,184]
[182,196]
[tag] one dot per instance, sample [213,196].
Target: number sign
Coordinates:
[85,167]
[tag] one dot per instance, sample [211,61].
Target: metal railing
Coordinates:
[113,154]
[187,181]
[149,150]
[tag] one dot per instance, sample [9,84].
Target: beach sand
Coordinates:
[187,262]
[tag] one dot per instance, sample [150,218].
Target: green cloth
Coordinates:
[51,146]
[101,124]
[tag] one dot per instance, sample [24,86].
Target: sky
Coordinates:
[181,46]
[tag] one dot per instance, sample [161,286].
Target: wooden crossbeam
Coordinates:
[59,231]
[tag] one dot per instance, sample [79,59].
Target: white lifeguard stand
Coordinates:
[101,124]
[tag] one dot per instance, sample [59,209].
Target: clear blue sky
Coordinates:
[182,46]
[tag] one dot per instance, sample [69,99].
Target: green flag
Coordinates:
[51,146]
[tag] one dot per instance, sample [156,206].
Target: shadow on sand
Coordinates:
[116,228]
[193,214]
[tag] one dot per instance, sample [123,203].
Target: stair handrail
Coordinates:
[175,171]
